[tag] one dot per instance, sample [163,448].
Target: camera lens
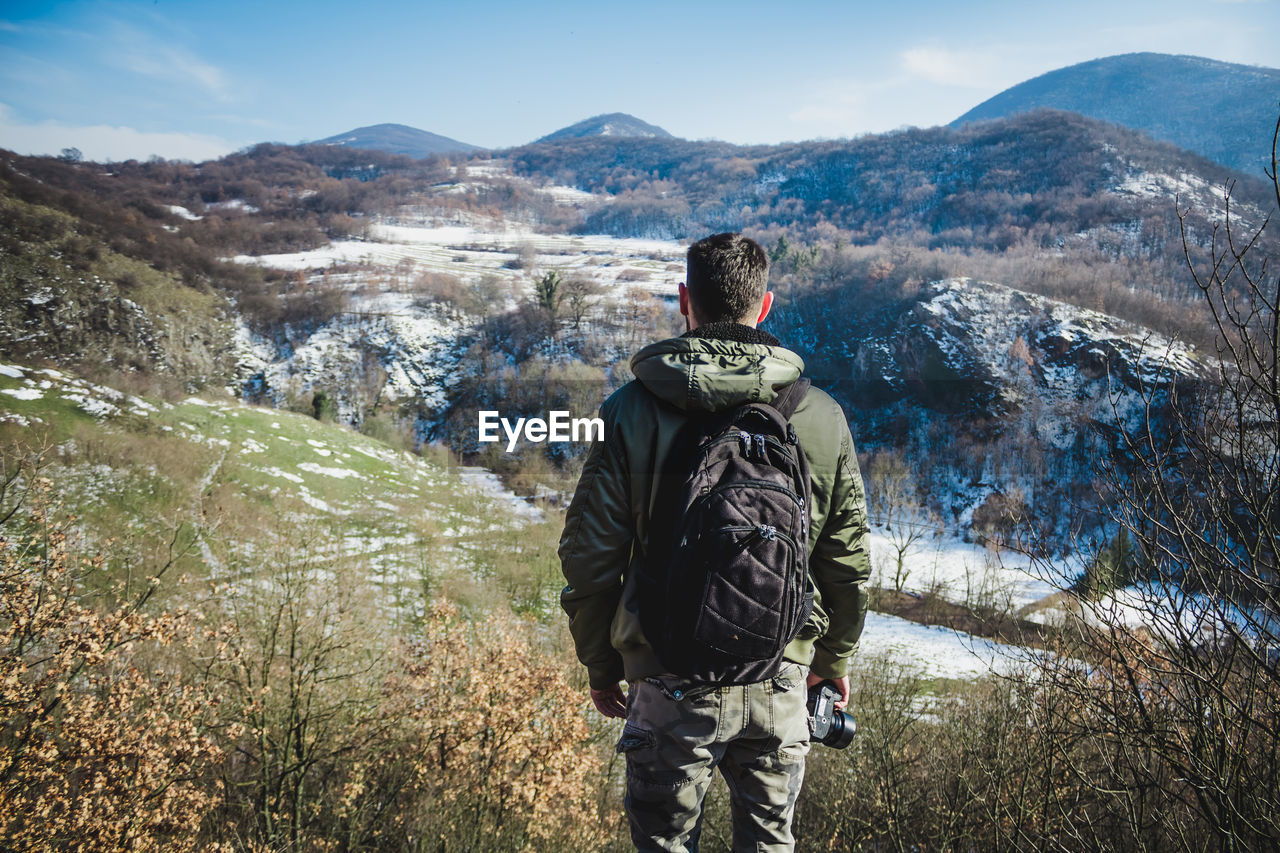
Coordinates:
[840,735]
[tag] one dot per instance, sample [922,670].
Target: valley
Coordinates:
[244,498]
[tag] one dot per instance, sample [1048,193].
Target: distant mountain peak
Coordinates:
[1220,110]
[609,124]
[399,139]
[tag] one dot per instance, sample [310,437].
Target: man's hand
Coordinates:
[842,683]
[612,703]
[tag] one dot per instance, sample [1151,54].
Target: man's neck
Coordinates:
[729,331]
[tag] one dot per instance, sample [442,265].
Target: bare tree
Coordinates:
[581,293]
[894,494]
[1176,723]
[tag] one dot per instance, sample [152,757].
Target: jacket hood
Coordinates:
[711,374]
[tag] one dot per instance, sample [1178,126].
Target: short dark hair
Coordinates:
[727,277]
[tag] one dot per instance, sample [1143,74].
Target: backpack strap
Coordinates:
[788,399]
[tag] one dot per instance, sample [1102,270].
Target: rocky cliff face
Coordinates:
[63,303]
[989,349]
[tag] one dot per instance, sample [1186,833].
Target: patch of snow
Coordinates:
[967,573]
[570,196]
[251,446]
[339,473]
[181,212]
[276,472]
[24,393]
[381,454]
[94,406]
[1170,612]
[109,393]
[232,204]
[12,371]
[933,651]
[485,482]
[314,502]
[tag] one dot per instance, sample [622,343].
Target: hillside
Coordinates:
[1034,179]
[232,480]
[68,298]
[1220,110]
[609,124]
[399,139]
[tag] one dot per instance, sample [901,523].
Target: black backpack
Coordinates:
[724,585]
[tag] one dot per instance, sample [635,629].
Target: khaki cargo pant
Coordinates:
[676,734]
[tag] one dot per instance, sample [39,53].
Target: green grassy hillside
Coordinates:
[219,483]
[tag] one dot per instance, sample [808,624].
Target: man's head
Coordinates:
[727,280]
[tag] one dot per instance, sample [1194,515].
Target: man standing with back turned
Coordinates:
[679,730]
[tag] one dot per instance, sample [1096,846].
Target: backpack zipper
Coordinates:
[758,533]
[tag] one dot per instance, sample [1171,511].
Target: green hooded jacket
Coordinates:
[608,520]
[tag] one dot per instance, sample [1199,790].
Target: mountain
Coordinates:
[399,139]
[1223,111]
[612,124]
[1031,179]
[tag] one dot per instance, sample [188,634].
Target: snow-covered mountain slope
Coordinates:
[609,124]
[991,349]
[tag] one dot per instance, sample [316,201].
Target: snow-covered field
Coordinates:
[933,651]
[489,248]
[967,573]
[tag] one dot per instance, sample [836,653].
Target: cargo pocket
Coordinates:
[790,676]
[635,738]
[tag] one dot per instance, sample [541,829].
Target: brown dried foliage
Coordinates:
[95,752]
[498,741]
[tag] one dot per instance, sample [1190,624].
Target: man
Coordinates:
[677,731]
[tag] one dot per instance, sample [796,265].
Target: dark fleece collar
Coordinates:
[729,331]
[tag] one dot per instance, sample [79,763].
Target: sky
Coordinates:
[185,79]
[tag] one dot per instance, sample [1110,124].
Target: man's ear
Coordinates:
[684,299]
[765,306]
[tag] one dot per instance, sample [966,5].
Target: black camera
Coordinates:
[831,727]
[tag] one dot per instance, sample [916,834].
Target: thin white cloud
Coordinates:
[944,67]
[104,142]
[140,53]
